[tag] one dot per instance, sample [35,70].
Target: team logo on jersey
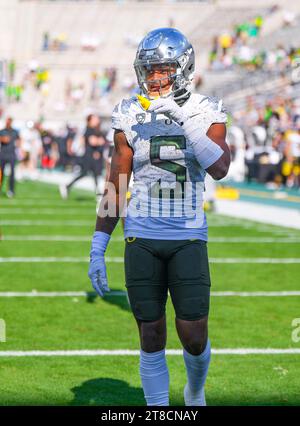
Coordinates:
[140,118]
[168,121]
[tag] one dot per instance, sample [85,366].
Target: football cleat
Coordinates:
[64,193]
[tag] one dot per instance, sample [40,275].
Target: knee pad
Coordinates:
[192,308]
[147,310]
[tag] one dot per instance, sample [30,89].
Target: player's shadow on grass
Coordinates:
[82,198]
[117,300]
[106,391]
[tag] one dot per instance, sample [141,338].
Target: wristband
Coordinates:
[99,243]
[206,151]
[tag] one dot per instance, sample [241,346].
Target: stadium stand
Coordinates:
[71,58]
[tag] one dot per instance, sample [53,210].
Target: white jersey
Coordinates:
[162,158]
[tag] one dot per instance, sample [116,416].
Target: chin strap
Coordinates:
[181,100]
[180,96]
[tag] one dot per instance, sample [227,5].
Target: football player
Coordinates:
[169,138]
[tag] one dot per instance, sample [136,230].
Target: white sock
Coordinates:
[155,377]
[196,368]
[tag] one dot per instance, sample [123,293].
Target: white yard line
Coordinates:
[56,293]
[16,222]
[286,260]
[55,259]
[46,222]
[254,293]
[79,238]
[55,238]
[65,212]
[10,294]
[132,352]
[242,260]
[255,240]
[47,203]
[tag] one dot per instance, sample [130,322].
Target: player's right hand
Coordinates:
[97,275]
[97,269]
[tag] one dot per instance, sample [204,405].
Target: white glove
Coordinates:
[205,150]
[170,108]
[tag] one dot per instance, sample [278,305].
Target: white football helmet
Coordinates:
[168,47]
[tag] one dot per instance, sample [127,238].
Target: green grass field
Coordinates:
[85,322]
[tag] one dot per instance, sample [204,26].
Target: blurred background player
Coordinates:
[9,141]
[92,160]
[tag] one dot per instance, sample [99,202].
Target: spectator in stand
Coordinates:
[11,69]
[272,132]
[46,40]
[77,95]
[94,87]
[214,50]
[225,41]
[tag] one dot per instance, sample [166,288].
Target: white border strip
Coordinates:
[123,293]
[242,260]
[126,352]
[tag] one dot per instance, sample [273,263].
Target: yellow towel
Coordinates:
[145,103]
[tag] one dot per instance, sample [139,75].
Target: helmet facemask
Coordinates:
[156,79]
[169,84]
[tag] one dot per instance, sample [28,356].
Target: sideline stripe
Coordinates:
[108,259]
[123,293]
[66,238]
[132,352]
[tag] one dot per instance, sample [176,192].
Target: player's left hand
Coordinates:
[170,108]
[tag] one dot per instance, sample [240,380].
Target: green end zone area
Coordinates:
[86,322]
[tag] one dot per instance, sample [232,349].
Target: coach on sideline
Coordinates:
[9,141]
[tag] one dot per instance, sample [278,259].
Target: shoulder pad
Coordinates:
[120,113]
[115,118]
[210,109]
